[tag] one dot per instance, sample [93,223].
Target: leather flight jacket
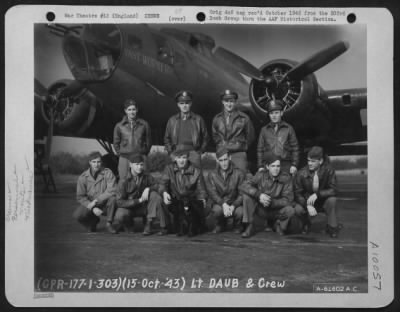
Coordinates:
[225,190]
[128,140]
[282,143]
[183,184]
[131,188]
[236,136]
[199,135]
[280,188]
[304,183]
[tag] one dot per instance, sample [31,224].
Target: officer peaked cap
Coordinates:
[228,94]
[184,96]
[274,105]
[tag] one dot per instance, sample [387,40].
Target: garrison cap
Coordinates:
[130,102]
[274,105]
[269,158]
[181,150]
[136,158]
[184,96]
[221,152]
[316,152]
[228,94]
[94,155]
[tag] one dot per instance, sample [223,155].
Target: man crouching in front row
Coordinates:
[269,194]
[137,196]
[95,192]
[223,188]
[184,195]
[315,190]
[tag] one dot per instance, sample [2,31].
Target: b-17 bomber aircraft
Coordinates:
[112,62]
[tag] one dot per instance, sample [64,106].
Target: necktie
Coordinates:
[276,128]
[315,184]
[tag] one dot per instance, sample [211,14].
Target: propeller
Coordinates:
[239,63]
[41,93]
[51,101]
[73,88]
[316,61]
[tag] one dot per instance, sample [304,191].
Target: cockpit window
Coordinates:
[93,54]
[164,52]
[134,43]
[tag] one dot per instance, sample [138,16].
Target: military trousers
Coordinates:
[151,209]
[86,216]
[328,206]
[218,214]
[251,207]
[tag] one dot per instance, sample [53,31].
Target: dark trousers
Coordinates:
[218,213]
[328,206]
[194,216]
[86,217]
[151,209]
[252,207]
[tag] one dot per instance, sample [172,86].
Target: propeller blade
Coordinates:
[73,88]
[237,62]
[40,90]
[317,61]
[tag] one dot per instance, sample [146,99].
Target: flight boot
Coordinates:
[249,231]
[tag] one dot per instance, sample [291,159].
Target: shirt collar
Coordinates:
[189,115]
[125,120]
[189,169]
[280,124]
[227,172]
[87,173]
[130,176]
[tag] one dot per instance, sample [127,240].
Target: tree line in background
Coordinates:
[67,163]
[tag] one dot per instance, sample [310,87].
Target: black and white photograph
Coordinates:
[228,157]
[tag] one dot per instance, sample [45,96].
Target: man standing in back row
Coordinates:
[186,130]
[131,136]
[279,138]
[233,130]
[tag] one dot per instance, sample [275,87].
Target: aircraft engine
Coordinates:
[73,112]
[298,94]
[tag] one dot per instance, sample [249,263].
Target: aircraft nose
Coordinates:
[92,54]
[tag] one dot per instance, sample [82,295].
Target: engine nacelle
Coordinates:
[74,113]
[298,95]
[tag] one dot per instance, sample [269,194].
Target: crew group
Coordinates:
[278,192]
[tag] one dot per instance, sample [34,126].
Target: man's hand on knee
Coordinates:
[97,211]
[92,204]
[311,211]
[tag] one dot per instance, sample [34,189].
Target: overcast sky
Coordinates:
[257,44]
